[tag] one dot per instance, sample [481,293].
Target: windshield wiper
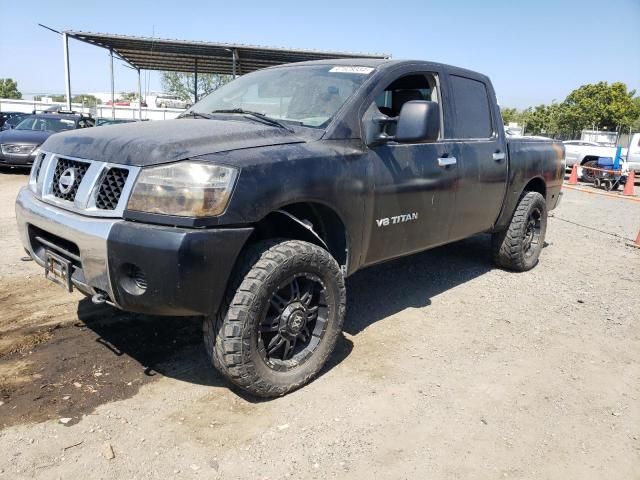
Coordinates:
[257,116]
[193,114]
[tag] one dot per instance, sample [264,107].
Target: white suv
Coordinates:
[166,100]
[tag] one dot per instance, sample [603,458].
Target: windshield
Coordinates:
[304,95]
[47,124]
[15,120]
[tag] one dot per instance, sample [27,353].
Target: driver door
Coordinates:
[414,185]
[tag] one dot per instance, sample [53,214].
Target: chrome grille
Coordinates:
[98,189]
[77,169]
[38,166]
[110,188]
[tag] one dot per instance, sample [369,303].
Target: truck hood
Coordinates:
[153,143]
[24,137]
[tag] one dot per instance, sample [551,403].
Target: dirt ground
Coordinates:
[448,368]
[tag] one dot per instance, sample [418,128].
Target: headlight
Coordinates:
[186,189]
[17,149]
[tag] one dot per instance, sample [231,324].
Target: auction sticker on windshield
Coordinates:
[360,70]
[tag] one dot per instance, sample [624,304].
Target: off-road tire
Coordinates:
[230,336]
[509,246]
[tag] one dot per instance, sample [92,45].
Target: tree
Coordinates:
[600,105]
[511,115]
[9,89]
[635,125]
[536,119]
[85,98]
[181,84]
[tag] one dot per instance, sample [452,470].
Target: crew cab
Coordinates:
[252,207]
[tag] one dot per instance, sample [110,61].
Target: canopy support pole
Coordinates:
[234,55]
[195,82]
[113,93]
[139,97]
[67,73]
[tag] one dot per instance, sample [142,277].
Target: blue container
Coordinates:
[605,162]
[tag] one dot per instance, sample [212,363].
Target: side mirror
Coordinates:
[418,122]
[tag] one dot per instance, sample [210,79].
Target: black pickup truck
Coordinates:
[252,208]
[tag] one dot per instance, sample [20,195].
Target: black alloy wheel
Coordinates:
[294,322]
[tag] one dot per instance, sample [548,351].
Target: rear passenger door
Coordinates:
[479,147]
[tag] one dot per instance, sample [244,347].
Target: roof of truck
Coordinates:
[385,63]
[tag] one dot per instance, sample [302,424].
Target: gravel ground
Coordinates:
[448,368]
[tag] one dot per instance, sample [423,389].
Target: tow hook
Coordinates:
[99,298]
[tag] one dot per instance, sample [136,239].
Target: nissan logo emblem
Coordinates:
[67,179]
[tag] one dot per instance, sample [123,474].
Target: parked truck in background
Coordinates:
[252,208]
[633,153]
[585,154]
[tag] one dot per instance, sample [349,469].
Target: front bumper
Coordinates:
[18,160]
[635,166]
[140,268]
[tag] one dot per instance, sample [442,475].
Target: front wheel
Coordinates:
[518,247]
[283,315]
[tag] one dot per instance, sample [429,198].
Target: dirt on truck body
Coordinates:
[252,208]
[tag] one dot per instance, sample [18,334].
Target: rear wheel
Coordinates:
[518,247]
[282,318]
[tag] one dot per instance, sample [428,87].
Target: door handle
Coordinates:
[446,161]
[499,156]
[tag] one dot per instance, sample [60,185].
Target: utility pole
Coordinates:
[195,82]
[67,73]
[139,97]
[113,86]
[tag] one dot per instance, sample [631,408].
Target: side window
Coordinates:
[471,108]
[404,89]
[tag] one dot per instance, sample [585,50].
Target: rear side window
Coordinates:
[472,112]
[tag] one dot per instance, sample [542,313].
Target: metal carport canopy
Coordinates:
[146,53]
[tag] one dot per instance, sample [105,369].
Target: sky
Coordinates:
[534,52]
